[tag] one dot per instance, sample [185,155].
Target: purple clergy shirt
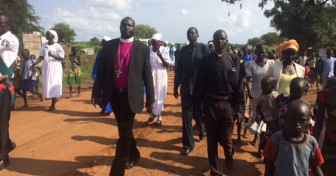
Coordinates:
[122,65]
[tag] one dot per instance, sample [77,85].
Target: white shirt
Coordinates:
[9,47]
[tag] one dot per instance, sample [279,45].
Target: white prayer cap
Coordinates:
[107,38]
[54,33]
[172,43]
[167,42]
[157,36]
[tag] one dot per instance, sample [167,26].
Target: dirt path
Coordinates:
[76,141]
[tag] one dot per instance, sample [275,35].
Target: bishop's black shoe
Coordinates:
[4,163]
[185,151]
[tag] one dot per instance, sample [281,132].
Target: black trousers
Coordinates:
[219,128]
[187,116]
[126,145]
[5,111]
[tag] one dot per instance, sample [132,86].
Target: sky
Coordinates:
[98,18]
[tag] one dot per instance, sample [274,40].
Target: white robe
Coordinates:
[52,71]
[160,79]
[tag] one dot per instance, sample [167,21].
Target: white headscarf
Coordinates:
[107,38]
[54,33]
[157,36]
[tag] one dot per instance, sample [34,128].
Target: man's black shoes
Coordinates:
[185,151]
[4,163]
[13,146]
[131,163]
[201,134]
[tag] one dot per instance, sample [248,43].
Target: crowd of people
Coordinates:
[218,85]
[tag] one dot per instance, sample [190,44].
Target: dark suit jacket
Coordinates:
[139,70]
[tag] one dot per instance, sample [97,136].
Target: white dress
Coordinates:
[52,71]
[257,73]
[160,79]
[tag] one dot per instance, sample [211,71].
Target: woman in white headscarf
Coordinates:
[159,60]
[52,55]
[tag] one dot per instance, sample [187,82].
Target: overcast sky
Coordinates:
[96,18]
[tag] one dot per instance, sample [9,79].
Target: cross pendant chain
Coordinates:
[121,60]
[118,72]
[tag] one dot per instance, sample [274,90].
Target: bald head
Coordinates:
[220,41]
[298,87]
[127,27]
[298,107]
[298,114]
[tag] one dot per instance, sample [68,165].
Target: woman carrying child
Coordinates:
[255,71]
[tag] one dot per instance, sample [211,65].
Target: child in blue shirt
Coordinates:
[293,151]
[28,78]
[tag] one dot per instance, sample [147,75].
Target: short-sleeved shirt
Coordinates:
[9,47]
[26,72]
[257,73]
[328,67]
[266,103]
[293,158]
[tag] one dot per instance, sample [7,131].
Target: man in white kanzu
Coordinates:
[159,60]
[52,55]
[9,46]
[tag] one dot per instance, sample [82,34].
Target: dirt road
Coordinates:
[76,141]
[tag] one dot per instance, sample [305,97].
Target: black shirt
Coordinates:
[185,67]
[221,76]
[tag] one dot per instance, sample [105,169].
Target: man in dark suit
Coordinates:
[123,66]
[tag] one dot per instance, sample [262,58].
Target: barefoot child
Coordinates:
[28,78]
[75,74]
[293,151]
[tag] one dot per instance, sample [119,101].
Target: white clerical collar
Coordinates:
[127,40]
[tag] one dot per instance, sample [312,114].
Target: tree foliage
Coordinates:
[23,14]
[254,41]
[24,18]
[144,31]
[311,22]
[271,38]
[94,41]
[64,32]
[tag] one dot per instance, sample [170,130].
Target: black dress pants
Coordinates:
[5,111]
[188,141]
[219,128]
[126,147]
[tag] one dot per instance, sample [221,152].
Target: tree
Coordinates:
[311,22]
[64,32]
[254,41]
[24,18]
[271,38]
[144,31]
[94,41]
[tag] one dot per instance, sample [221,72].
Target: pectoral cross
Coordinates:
[118,72]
